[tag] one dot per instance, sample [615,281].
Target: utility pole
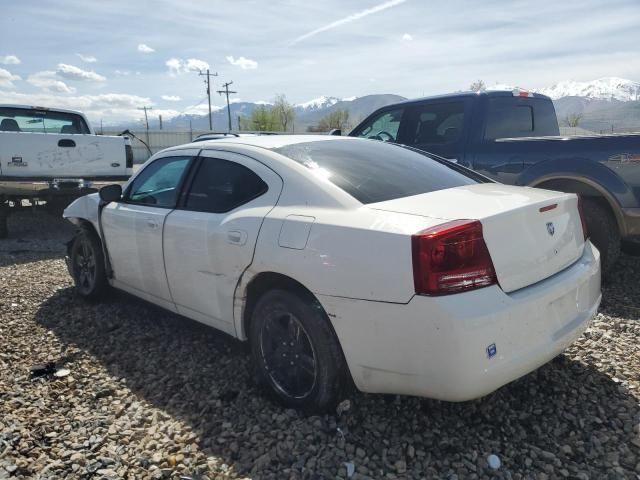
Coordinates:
[160,120]
[227,92]
[146,119]
[207,82]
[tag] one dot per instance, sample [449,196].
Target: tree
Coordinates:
[573,119]
[337,119]
[478,86]
[261,120]
[283,113]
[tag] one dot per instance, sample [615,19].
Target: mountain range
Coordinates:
[605,104]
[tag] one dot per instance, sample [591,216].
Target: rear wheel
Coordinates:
[87,265]
[603,233]
[295,353]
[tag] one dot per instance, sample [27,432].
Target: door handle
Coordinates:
[152,224]
[66,142]
[237,237]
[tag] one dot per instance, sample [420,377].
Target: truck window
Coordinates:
[30,120]
[384,126]
[511,117]
[437,124]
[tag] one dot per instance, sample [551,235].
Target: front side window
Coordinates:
[383,127]
[41,121]
[219,186]
[438,124]
[157,185]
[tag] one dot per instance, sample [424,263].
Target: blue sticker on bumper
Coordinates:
[491,350]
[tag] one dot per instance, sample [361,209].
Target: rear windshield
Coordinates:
[40,121]
[372,171]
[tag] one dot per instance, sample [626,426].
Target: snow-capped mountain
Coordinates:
[318,103]
[606,88]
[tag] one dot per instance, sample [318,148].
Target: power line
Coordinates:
[207,82]
[227,92]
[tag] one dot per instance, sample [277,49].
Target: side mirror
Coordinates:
[110,193]
[335,131]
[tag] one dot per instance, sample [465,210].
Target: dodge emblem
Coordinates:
[550,228]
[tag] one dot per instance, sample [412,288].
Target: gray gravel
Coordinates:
[152,395]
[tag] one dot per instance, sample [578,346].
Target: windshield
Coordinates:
[374,172]
[40,121]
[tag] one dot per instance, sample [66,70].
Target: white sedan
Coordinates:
[342,258]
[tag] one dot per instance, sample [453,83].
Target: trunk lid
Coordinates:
[531,233]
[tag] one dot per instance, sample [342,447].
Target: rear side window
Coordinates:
[375,171]
[509,117]
[438,124]
[41,121]
[220,186]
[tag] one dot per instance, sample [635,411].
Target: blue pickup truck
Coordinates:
[514,138]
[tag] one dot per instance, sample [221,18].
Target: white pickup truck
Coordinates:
[54,155]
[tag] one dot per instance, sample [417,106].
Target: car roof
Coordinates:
[266,141]
[465,94]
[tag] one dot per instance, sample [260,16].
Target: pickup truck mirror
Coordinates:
[110,193]
[335,131]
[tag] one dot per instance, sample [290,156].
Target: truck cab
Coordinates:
[513,137]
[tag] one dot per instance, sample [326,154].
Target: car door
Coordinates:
[133,227]
[209,240]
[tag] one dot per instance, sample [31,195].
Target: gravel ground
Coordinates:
[153,395]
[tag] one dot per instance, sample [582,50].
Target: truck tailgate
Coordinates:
[60,156]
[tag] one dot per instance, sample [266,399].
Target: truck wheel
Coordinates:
[87,265]
[603,233]
[295,353]
[4,214]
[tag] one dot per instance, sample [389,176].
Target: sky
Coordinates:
[109,58]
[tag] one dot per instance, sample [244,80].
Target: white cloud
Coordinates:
[242,62]
[48,82]
[87,58]
[142,48]
[195,65]
[7,78]
[122,73]
[178,65]
[171,98]
[350,18]
[407,37]
[10,60]
[114,107]
[201,109]
[72,72]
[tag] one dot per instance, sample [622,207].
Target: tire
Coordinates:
[4,229]
[603,232]
[87,265]
[295,353]
[631,247]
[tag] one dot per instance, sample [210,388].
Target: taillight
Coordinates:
[582,220]
[451,258]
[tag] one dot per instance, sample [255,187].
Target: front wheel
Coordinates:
[295,353]
[87,265]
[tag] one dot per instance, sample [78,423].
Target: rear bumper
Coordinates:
[631,218]
[53,187]
[464,346]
